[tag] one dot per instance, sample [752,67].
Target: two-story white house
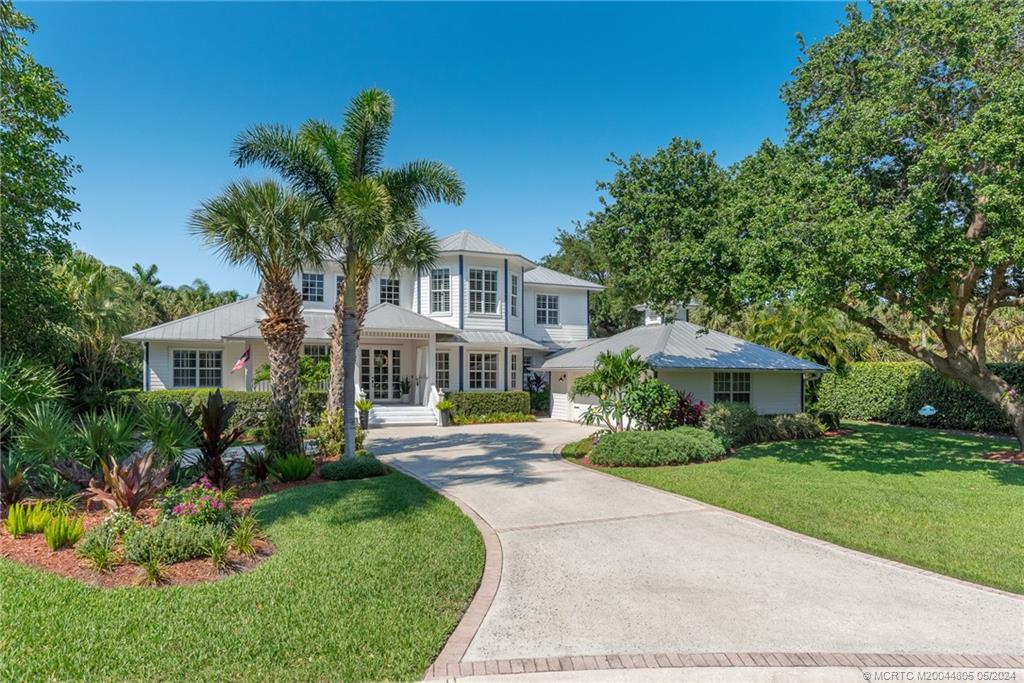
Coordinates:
[474,321]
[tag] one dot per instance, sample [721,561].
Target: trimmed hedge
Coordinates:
[492,418]
[895,392]
[647,449]
[364,465]
[252,405]
[478,403]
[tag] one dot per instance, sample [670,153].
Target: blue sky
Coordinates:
[525,101]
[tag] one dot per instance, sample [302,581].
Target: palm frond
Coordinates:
[330,144]
[366,130]
[418,183]
[278,148]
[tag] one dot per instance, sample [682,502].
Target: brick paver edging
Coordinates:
[723,659]
[458,642]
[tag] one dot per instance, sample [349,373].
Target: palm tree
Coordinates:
[273,231]
[612,378]
[375,211]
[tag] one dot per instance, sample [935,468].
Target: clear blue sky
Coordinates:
[526,101]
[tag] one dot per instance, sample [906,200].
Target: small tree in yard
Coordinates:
[898,198]
[613,377]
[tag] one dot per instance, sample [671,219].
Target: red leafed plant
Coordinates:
[215,437]
[128,487]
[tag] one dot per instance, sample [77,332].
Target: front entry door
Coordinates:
[380,373]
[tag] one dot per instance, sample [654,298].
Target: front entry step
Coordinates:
[401,415]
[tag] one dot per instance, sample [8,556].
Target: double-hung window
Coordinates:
[312,287]
[317,351]
[440,290]
[483,371]
[193,368]
[483,291]
[732,386]
[390,289]
[513,297]
[547,309]
[442,370]
[514,371]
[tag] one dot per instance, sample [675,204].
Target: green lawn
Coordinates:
[914,495]
[368,580]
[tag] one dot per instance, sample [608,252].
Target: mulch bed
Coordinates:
[32,550]
[1015,457]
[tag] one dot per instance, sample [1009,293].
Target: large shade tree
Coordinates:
[275,232]
[898,198]
[374,210]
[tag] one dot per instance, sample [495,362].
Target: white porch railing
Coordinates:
[264,385]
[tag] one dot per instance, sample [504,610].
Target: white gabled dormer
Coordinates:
[677,312]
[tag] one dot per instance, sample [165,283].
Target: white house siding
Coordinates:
[483,321]
[771,393]
[423,304]
[572,314]
[161,375]
[562,406]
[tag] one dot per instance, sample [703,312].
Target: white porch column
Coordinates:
[431,366]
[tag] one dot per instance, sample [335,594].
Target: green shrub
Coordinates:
[736,424]
[200,503]
[246,533]
[471,403]
[99,547]
[895,392]
[292,468]
[167,543]
[17,519]
[63,531]
[363,466]
[540,401]
[578,449]
[798,426]
[651,448]
[217,547]
[330,434]
[492,418]
[651,404]
[252,409]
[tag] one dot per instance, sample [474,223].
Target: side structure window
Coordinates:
[440,290]
[732,386]
[513,298]
[547,309]
[312,287]
[442,370]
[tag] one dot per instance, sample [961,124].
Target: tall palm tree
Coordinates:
[375,211]
[275,232]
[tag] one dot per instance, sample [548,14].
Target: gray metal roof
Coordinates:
[464,240]
[209,325]
[490,338]
[382,318]
[684,345]
[545,276]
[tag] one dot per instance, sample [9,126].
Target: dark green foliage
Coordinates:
[167,543]
[364,465]
[540,401]
[252,406]
[491,418]
[292,467]
[247,531]
[578,449]
[798,426]
[651,448]
[99,548]
[895,392]
[652,405]
[329,433]
[827,418]
[736,424]
[256,466]
[470,403]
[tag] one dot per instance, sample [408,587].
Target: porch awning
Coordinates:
[489,338]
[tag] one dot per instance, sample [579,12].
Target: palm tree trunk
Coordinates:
[283,330]
[334,395]
[349,330]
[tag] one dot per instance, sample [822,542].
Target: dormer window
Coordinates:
[440,290]
[483,291]
[513,297]
[312,287]
[390,289]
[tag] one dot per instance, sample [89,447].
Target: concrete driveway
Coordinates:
[594,566]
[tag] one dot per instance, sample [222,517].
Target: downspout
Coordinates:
[588,314]
[522,300]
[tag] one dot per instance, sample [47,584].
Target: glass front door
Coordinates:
[380,373]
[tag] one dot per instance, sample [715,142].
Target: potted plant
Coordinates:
[363,405]
[445,407]
[405,385]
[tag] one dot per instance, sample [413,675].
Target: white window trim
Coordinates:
[547,316]
[732,386]
[514,371]
[380,290]
[437,380]
[513,296]
[483,373]
[448,278]
[325,354]
[323,287]
[195,379]
[469,294]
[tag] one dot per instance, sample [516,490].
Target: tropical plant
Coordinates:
[247,532]
[445,404]
[364,405]
[256,465]
[292,467]
[17,522]
[217,547]
[651,404]
[364,465]
[46,434]
[215,438]
[330,434]
[375,212]
[13,486]
[201,503]
[24,384]
[111,433]
[169,429]
[131,486]
[689,411]
[99,548]
[737,424]
[167,543]
[153,573]
[275,233]
[613,377]
[63,531]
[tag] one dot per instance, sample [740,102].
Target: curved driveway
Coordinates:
[593,565]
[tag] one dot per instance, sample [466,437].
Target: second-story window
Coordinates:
[513,297]
[389,291]
[483,290]
[312,287]
[547,309]
[440,290]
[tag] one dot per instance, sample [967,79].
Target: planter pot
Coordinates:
[405,398]
[364,419]
[446,418]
